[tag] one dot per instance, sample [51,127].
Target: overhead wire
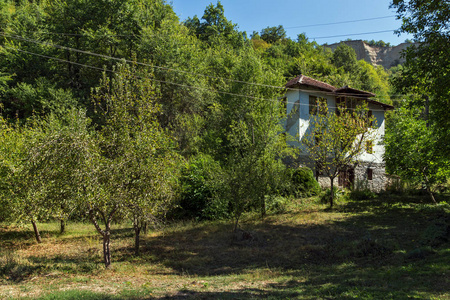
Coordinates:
[351,34]
[290,27]
[130,61]
[152,79]
[151,65]
[182,85]
[341,22]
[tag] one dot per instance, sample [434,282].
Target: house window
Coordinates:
[314,105]
[369,174]
[369,116]
[346,178]
[369,147]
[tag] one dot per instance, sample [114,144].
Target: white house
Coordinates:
[301,98]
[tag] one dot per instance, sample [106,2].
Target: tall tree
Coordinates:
[140,164]
[273,34]
[22,190]
[412,151]
[426,68]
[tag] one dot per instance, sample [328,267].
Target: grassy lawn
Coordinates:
[385,248]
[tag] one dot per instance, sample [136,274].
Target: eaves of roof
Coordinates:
[305,81]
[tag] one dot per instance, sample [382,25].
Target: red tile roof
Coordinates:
[308,81]
[354,92]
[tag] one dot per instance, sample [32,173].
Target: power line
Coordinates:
[152,66]
[342,22]
[182,85]
[291,27]
[130,61]
[351,34]
[152,79]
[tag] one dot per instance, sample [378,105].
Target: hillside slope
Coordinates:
[377,56]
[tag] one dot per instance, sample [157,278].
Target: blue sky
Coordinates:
[252,15]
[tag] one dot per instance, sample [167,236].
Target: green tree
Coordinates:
[345,57]
[338,138]
[426,69]
[412,152]
[58,155]
[216,26]
[273,34]
[22,191]
[139,158]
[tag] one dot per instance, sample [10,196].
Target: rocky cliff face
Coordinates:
[377,56]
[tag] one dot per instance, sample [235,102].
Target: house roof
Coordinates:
[305,81]
[353,92]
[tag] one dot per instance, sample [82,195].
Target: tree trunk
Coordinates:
[144,227]
[137,231]
[427,183]
[106,234]
[236,224]
[62,226]
[106,250]
[431,194]
[36,232]
[263,207]
[332,193]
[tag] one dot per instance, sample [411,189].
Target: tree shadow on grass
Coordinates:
[363,253]
[181,294]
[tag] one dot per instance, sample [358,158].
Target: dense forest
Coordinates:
[118,110]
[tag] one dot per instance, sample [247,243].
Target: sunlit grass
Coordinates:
[370,250]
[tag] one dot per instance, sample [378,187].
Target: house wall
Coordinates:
[298,114]
[378,135]
[298,125]
[377,183]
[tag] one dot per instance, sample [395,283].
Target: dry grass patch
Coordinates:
[368,250]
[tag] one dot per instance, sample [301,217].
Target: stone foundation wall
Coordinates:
[377,184]
[379,178]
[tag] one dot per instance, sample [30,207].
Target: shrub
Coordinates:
[361,191]
[202,182]
[277,204]
[303,183]
[339,195]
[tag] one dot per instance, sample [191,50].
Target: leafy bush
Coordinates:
[361,191]
[339,195]
[277,204]
[202,182]
[303,183]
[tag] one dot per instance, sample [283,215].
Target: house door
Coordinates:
[347,178]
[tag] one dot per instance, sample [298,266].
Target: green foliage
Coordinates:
[332,141]
[215,27]
[41,98]
[202,188]
[273,34]
[379,43]
[362,194]
[412,152]
[303,183]
[436,233]
[425,70]
[345,57]
[338,195]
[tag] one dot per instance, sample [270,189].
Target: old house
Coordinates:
[301,97]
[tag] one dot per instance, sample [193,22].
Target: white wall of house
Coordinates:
[298,112]
[378,136]
[299,100]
